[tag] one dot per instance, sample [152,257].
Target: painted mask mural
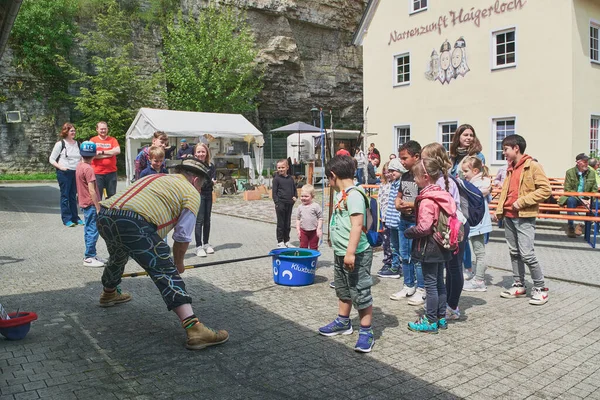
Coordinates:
[450,63]
[433,67]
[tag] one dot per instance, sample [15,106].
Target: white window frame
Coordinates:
[440,133]
[493,61]
[493,159]
[595,117]
[594,24]
[396,135]
[395,69]
[411,6]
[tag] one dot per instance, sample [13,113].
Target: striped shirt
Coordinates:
[159,199]
[392,216]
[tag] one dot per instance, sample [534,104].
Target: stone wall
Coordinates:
[305,46]
[24,146]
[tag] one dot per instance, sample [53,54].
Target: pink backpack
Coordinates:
[449,231]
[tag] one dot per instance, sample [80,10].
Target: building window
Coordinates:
[504,49]
[501,128]
[594,142]
[446,132]
[417,5]
[402,69]
[402,136]
[594,27]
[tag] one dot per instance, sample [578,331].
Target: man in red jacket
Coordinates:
[105,162]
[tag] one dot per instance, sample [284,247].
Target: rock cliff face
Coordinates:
[305,46]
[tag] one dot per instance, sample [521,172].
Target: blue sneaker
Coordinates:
[332,285]
[423,325]
[80,222]
[70,224]
[336,328]
[442,323]
[365,341]
[389,273]
[384,268]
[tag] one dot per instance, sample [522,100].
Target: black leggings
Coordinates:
[284,221]
[202,231]
[454,272]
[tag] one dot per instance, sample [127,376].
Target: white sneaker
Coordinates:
[208,248]
[288,244]
[92,263]
[200,251]
[406,291]
[468,275]
[474,285]
[281,245]
[102,260]
[418,298]
[538,296]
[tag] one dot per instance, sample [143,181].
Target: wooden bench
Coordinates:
[591,217]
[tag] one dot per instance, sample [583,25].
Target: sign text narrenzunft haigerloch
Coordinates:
[474,15]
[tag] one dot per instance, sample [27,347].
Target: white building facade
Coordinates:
[530,67]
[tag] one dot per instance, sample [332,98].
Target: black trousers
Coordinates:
[108,182]
[202,230]
[284,221]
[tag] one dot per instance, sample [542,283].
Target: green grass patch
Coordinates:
[28,177]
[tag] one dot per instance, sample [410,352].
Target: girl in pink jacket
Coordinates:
[431,201]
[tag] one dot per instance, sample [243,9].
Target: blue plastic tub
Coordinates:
[17,327]
[294,266]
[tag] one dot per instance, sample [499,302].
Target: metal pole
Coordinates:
[271,160]
[322,126]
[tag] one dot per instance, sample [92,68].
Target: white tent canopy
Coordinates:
[186,124]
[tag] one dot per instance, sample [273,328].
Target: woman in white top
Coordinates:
[65,157]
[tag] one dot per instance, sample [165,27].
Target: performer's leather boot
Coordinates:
[109,299]
[200,336]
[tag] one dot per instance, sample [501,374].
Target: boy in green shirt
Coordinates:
[353,255]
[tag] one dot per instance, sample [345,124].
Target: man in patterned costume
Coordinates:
[134,223]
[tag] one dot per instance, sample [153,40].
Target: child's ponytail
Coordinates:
[445,173]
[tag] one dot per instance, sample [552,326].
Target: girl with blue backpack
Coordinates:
[464,144]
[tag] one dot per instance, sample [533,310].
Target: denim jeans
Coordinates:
[90,231]
[413,274]
[68,195]
[520,234]
[467,259]
[108,182]
[360,176]
[202,231]
[454,274]
[572,202]
[435,303]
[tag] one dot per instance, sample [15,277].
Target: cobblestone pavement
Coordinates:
[76,350]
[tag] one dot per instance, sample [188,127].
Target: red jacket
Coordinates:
[429,202]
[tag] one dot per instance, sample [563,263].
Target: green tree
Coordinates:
[209,63]
[117,87]
[44,31]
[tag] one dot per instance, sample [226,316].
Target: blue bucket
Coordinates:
[294,266]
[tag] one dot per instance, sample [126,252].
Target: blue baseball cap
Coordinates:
[183,141]
[87,149]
